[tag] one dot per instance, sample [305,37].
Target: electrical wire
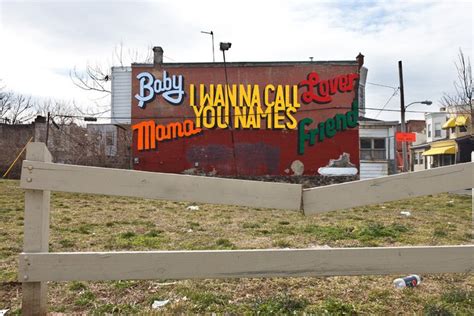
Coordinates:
[386,103]
[237,115]
[382,85]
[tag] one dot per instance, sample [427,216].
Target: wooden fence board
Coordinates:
[81,179]
[390,188]
[36,234]
[244,263]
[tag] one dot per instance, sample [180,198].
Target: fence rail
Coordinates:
[390,188]
[154,185]
[215,264]
[37,265]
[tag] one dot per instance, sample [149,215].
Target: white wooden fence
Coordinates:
[40,176]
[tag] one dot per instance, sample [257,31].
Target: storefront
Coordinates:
[246,118]
[441,153]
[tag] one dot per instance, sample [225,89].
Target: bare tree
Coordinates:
[96,78]
[461,100]
[19,108]
[61,112]
[5,104]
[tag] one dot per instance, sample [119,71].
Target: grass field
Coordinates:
[91,223]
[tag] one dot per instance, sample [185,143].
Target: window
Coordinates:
[372,149]
[366,143]
[420,158]
[447,160]
[429,130]
[453,130]
[437,129]
[415,158]
[462,129]
[109,138]
[379,143]
[110,143]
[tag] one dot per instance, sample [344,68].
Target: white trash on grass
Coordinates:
[159,304]
[405,213]
[408,281]
[193,208]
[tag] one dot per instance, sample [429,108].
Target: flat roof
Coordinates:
[378,123]
[251,63]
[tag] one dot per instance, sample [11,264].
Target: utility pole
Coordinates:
[402,113]
[47,129]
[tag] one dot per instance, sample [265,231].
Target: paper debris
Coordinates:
[158,304]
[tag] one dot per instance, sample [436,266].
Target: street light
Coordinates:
[223,47]
[427,102]
[403,128]
[212,34]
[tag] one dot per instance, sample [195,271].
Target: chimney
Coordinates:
[40,119]
[360,60]
[158,55]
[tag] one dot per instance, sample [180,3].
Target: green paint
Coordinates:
[326,129]
[302,136]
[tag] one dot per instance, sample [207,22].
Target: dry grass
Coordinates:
[85,222]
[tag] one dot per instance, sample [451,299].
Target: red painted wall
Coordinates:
[244,152]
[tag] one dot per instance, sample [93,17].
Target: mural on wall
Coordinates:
[167,87]
[210,122]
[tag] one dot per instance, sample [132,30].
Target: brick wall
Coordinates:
[101,145]
[12,139]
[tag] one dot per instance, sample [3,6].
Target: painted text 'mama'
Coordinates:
[148,132]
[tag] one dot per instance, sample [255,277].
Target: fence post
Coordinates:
[36,232]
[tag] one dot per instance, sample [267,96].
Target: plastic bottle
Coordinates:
[409,281]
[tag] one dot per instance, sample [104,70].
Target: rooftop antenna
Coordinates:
[212,35]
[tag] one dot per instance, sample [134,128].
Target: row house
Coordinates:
[449,140]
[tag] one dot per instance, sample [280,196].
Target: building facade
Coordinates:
[245,118]
[417,127]
[377,148]
[449,140]
[121,95]
[101,145]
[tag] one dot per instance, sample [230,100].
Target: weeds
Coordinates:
[77,286]
[281,304]
[333,306]
[224,243]
[250,225]
[126,223]
[86,298]
[204,300]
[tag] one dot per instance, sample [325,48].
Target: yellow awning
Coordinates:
[461,120]
[450,123]
[440,151]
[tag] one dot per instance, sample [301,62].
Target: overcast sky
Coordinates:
[43,40]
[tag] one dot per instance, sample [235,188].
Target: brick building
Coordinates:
[241,118]
[412,126]
[102,145]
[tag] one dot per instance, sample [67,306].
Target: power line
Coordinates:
[386,103]
[382,85]
[237,115]
[169,58]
